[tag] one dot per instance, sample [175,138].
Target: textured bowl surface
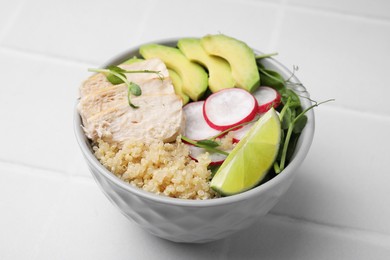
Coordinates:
[191,221]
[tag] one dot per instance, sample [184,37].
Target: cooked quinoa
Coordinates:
[158,167]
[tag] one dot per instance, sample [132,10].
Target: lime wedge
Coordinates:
[250,160]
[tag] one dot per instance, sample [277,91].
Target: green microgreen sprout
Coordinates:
[211,144]
[294,85]
[294,124]
[207,144]
[266,55]
[230,129]
[292,118]
[116,75]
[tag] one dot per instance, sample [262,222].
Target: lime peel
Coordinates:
[249,162]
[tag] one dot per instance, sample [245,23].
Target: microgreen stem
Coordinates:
[157,72]
[290,130]
[124,79]
[311,107]
[262,56]
[295,69]
[230,129]
[276,167]
[285,107]
[188,140]
[271,76]
[211,149]
[285,146]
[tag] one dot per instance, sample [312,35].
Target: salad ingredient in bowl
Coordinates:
[183,151]
[138,134]
[107,115]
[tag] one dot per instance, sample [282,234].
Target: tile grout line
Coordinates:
[79,179]
[57,58]
[275,36]
[362,113]
[10,22]
[24,167]
[346,14]
[254,2]
[50,219]
[284,5]
[373,237]
[288,5]
[42,56]
[145,18]
[272,45]
[42,171]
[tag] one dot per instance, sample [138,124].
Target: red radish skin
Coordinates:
[267,97]
[229,107]
[216,158]
[196,126]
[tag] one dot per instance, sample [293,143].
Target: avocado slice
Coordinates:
[133,60]
[176,80]
[178,86]
[193,76]
[240,57]
[220,74]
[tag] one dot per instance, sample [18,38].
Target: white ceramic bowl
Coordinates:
[195,221]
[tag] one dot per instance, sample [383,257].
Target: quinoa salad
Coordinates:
[170,120]
[158,167]
[150,156]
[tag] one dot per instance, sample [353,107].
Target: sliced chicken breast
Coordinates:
[158,117]
[106,114]
[149,64]
[94,83]
[105,98]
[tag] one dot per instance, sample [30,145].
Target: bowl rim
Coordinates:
[298,157]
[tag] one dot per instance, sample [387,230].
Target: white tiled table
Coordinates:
[337,208]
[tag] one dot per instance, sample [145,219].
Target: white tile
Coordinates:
[250,21]
[344,181]
[373,8]
[87,226]
[275,237]
[9,13]
[84,225]
[339,57]
[36,108]
[28,200]
[81,30]
[342,185]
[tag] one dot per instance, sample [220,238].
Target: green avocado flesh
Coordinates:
[178,86]
[220,74]
[132,60]
[194,77]
[240,57]
[176,80]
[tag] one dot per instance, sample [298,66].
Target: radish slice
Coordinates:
[196,126]
[216,158]
[240,133]
[267,97]
[229,107]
